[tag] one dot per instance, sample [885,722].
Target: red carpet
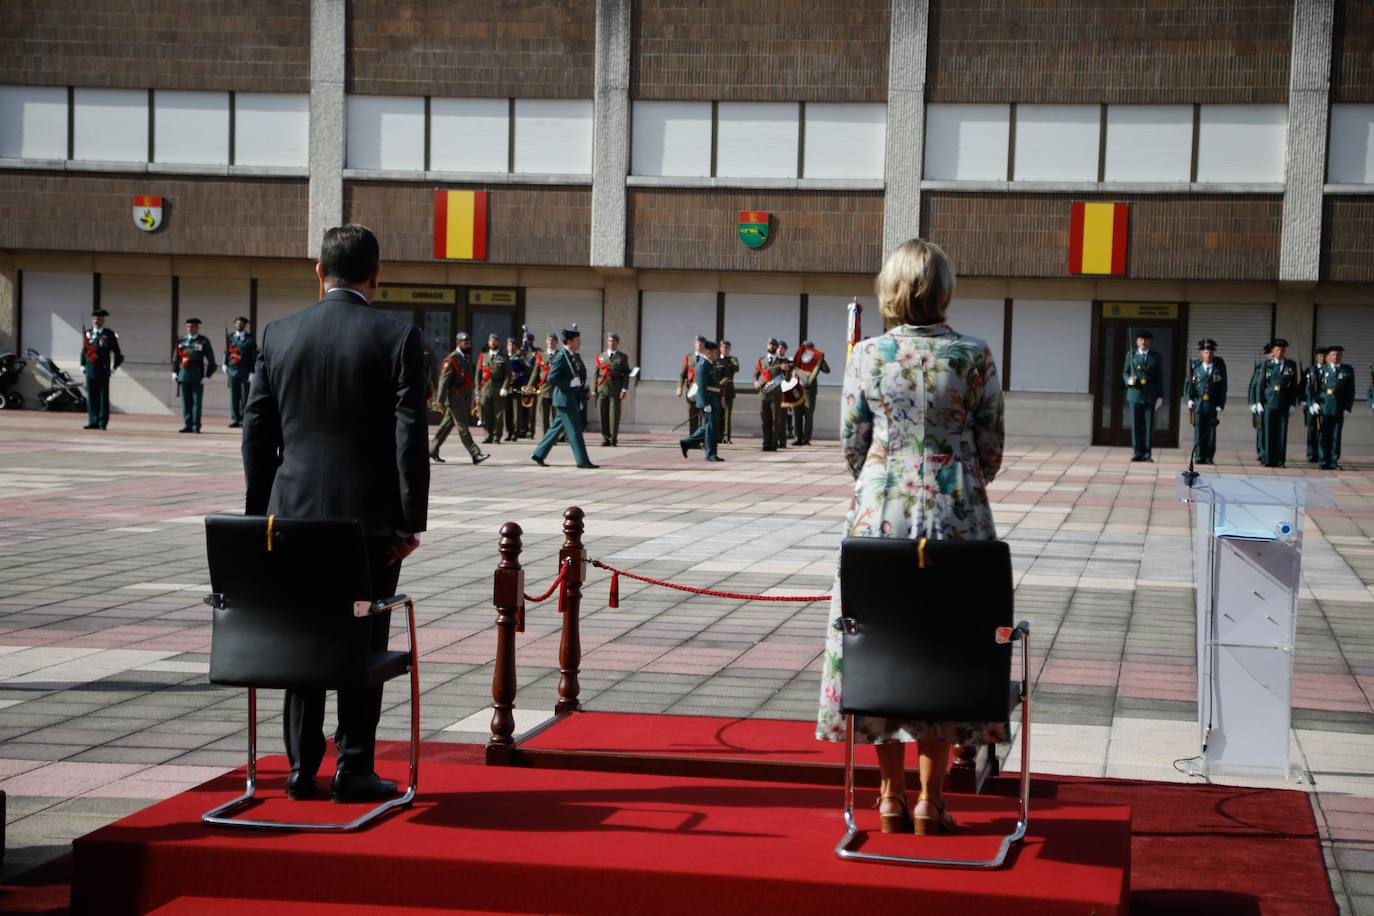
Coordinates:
[538,841]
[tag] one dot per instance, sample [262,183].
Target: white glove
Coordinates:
[205,380]
[707,408]
[1158,401]
[1315,410]
[1191,405]
[1256,409]
[1220,409]
[1290,408]
[622,394]
[575,383]
[224,366]
[504,392]
[174,376]
[251,376]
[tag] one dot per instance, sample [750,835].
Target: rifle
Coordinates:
[1192,381]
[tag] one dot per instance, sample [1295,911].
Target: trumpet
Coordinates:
[529,394]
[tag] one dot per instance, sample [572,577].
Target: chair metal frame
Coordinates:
[221,816]
[1019,633]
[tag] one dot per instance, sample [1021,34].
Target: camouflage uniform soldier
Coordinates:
[612,384]
[454,400]
[492,375]
[727,367]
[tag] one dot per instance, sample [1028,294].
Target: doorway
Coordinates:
[1115,327]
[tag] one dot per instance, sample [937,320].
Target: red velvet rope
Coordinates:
[617,573]
[562,574]
[559,584]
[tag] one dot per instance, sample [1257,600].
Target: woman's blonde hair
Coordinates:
[915,285]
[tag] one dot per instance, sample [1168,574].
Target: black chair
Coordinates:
[291,611]
[927,635]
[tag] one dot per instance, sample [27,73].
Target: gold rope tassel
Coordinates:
[920,549]
[271,523]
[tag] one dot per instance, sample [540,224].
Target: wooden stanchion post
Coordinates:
[573,559]
[508,596]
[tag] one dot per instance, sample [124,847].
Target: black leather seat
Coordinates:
[291,612]
[927,631]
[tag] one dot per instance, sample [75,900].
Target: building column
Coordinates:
[620,313]
[611,132]
[906,122]
[1309,96]
[9,305]
[328,117]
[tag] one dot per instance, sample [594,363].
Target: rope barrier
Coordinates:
[739,596]
[559,584]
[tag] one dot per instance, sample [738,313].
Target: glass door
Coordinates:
[1118,324]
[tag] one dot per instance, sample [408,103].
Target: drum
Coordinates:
[793,394]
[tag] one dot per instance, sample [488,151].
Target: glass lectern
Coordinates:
[1249,568]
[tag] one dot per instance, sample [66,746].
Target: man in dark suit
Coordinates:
[1143,374]
[335,427]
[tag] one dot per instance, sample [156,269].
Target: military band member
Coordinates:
[542,381]
[1307,396]
[1278,391]
[812,362]
[530,352]
[727,367]
[568,378]
[786,414]
[768,369]
[240,356]
[1335,399]
[518,374]
[684,384]
[1143,373]
[612,384]
[193,363]
[492,375]
[1206,393]
[708,401]
[454,400]
[100,357]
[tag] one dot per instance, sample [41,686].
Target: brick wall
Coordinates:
[763,50]
[526,224]
[1182,237]
[1085,51]
[1352,52]
[259,45]
[233,217]
[1348,234]
[472,48]
[811,231]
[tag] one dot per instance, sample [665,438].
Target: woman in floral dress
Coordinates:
[922,428]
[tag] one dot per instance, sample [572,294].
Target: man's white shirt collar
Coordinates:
[348,289]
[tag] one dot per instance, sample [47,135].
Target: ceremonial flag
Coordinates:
[1097,238]
[855,327]
[460,225]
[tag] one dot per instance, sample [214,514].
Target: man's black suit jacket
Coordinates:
[335,425]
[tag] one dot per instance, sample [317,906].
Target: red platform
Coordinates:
[540,841]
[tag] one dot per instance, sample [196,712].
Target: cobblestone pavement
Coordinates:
[104,705]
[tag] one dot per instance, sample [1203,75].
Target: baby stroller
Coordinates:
[62,393]
[10,367]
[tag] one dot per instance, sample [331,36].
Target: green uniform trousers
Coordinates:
[1275,429]
[238,396]
[1205,436]
[455,417]
[1142,429]
[98,399]
[567,421]
[192,397]
[1329,441]
[708,434]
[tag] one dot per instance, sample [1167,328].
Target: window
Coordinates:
[1149,142]
[191,127]
[469,135]
[757,139]
[669,323]
[671,138]
[33,122]
[752,318]
[111,125]
[967,142]
[553,136]
[827,326]
[844,140]
[985,318]
[546,309]
[271,129]
[386,132]
[1050,346]
[1242,143]
[1351,156]
[1057,142]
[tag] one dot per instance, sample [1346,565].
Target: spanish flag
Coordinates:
[1097,238]
[460,225]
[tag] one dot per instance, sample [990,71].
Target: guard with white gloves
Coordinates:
[1277,393]
[1206,393]
[1335,397]
[1143,374]
[707,435]
[193,362]
[240,356]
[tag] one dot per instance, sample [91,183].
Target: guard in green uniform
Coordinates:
[192,365]
[1254,400]
[612,384]
[454,400]
[727,367]
[100,357]
[240,356]
[1278,391]
[1206,393]
[1335,399]
[708,402]
[1143,373]
[1307,396]
[568,378]
[492,375]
